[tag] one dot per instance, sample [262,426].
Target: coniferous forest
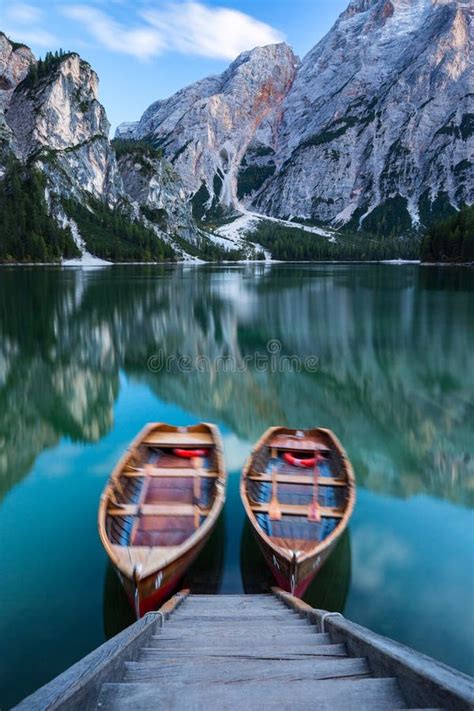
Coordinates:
[451,240]
[294,244]
[27,231]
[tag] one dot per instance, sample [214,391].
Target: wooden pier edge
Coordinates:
[424,681]
[78,687]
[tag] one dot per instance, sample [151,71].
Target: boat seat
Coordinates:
[298,510]
[307,479]
[178,439]
[169,510]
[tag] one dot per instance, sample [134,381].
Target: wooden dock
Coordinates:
[252,652]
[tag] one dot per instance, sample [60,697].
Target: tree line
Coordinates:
[451,240]
[43,67]
[112,235]
[294,244]
[27,231]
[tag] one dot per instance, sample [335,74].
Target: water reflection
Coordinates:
[394,345]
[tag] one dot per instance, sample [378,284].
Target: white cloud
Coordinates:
[194,28]
[23,13]
[186,27]
[23,24]
[141,42]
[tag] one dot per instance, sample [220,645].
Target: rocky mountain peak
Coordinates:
[15,62]
[205,129]
[378,118]
[57,107]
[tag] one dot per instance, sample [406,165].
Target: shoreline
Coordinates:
[239,262]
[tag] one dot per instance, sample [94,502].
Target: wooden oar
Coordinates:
[197,463]
[313,510]
[274,510]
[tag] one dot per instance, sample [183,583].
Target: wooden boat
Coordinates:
[298,490]
[160,506]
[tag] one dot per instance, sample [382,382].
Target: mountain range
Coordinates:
[371,133]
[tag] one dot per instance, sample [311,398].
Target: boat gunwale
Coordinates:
[319,546]
[189,543]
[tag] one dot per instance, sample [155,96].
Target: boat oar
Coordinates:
[274,510]
[313,511]
[197,463]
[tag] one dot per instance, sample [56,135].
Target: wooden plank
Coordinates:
[194,671]
[155,510]
[247,616]
[169,473]
[325,695]
[298,479]
[296,510]
[278,645]
[424,681]
[176,638]
[297,444]
[181,439]
[261,651]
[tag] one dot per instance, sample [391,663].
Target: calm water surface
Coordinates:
[395,381]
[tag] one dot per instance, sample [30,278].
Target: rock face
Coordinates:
[380,117]
[374,127]
[15,63]
[57,119]
[50,117]
[206,128]
[154,185]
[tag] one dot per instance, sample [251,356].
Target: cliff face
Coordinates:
[15,63]
[57,120]
[374,127]
[154,185]
[206,128]
[51,119]
[380,117]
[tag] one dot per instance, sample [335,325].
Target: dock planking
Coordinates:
[251,652]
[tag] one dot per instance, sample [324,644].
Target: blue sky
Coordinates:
[145,50]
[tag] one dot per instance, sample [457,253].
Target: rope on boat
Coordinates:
[329,614]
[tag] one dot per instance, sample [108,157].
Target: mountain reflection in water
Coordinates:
[394,346]
[394,380]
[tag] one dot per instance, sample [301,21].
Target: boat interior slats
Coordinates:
[298,494]
[155,510]
[297,444]
[177,439]
[297,510]
[290,530]
[159,499]
[307,479]
[148,534]
[164,472]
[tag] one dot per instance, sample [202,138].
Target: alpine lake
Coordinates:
[381,354]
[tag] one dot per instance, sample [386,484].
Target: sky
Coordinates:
[144,50]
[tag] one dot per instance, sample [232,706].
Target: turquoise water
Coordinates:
[390,371]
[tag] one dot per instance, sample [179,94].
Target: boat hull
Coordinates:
[295,578]
[149,593]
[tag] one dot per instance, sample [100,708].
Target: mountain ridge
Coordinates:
[372,132]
